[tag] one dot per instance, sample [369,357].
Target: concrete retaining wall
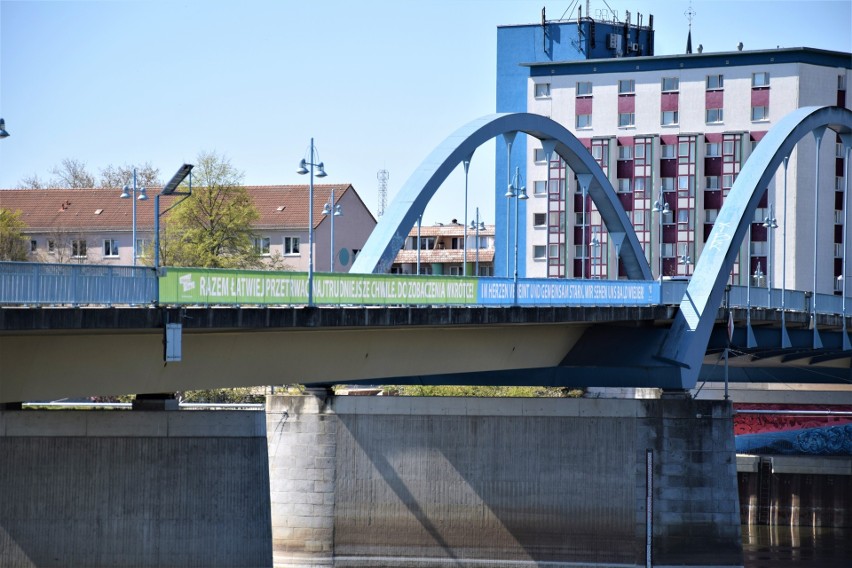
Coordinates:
[122,488]
[386,481]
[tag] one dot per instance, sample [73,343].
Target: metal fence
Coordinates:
[33,283]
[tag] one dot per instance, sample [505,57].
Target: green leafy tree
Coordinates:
[212,229]
[13,242]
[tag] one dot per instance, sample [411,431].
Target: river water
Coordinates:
[800,547]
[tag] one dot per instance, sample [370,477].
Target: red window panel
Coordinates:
[669,101]
[668,139]
[713,137]
[759,97]
[625,141]
[584,106]
[714,99]
[758,136]
[627,103]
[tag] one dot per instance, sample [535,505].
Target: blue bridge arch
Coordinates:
[390,233]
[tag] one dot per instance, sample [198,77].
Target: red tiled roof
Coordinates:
[103,209]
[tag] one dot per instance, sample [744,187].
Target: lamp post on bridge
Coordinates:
[476,225]
[169,189]
[320,173]
[337,212]
[661,207]
[517,192]
[126,194]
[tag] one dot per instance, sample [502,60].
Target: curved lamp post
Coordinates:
[337,212]
[303,169]
[518,192]
[126,194]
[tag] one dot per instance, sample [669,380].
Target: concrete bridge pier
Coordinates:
[415,482]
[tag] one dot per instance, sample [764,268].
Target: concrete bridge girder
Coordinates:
[390,233]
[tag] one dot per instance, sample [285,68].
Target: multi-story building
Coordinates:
[440,249]
[584,37]
[672,133]
[96,225]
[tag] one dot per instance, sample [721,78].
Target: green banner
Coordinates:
[208,286]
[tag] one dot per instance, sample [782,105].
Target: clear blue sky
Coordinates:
[378,83]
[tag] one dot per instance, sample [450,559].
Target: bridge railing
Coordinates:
[31,283]
[35,283]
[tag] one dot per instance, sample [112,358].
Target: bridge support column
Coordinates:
[413,482]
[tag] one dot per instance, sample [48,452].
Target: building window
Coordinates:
[714,115]
[727,181]
[33,245]
[427,243]
[685,186]
[457,243]
[542,90]
[838,250]
[623,185]
[456,271]
[584,121]
[841,82]
[711,183]
[639,185]
[712,150]
[540,219]
[261,246]
[669,84]
[557,219]
[759,113]
[110,247]
[78,248]
[838,183]
[626,119]
[141,247]
[580,219]
[580,251]
[667,152]
[667,183]
[540,188]
[638,218]
[539,252]
[51,246]
[710,215]
[538,155]
[759,248]
[626,87]
[584,88]
[838,216]
[668,118]
[625,152]
[683,216]
[715,82]
[291,245]
[760,79]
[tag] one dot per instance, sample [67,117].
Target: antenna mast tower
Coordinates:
[383,190]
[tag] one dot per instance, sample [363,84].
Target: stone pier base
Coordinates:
[409,481]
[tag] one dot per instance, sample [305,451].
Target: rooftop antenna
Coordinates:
[690,13]
[383,190]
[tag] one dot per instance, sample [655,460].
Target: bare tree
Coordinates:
[72,174]
[119,176]
[33,182]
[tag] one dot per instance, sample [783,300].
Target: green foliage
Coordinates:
[13,242]
[241,395]
[212,229]
[520,392]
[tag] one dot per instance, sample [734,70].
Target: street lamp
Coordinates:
[169,189]
[125,194]
[477,226]
[770,224]
[321,173]
[3,133]
[661,206]
[518,192]
[338,211]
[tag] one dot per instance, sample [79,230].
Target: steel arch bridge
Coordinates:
[670,358]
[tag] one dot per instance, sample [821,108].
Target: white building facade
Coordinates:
[672,133]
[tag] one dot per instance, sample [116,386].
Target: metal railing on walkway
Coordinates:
[34,283]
